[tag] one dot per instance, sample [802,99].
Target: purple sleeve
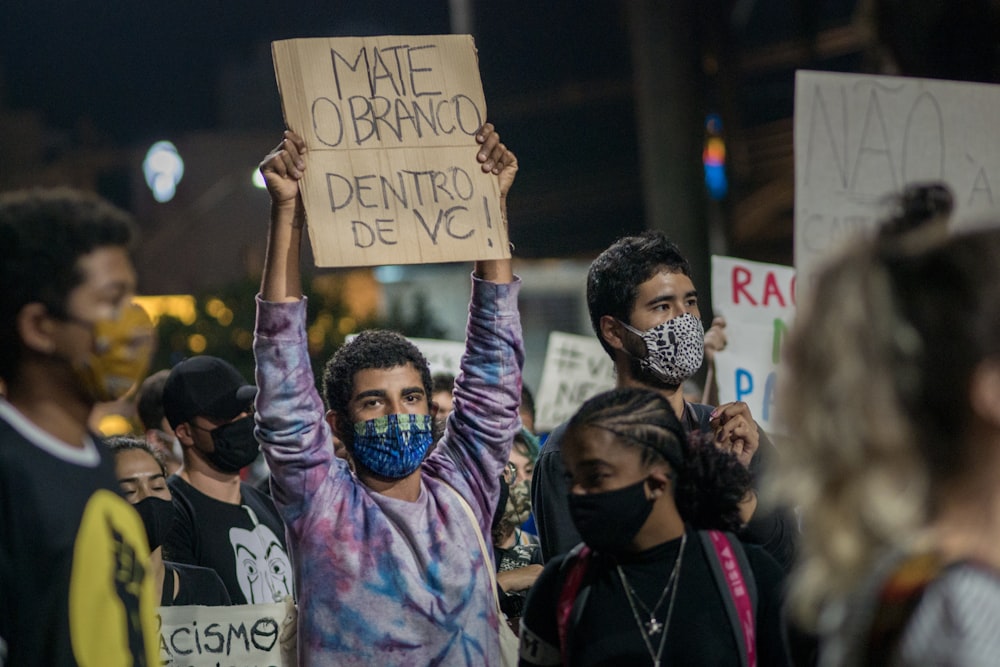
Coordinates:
[487,395]
[294,435]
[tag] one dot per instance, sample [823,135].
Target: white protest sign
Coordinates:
[861,138]
[389,123]
[758,302]
[443,356]
[236,636]
[576,368]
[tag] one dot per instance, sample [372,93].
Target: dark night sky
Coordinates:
[557,77]
[142,68]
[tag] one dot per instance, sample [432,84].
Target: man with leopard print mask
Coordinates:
[644,309]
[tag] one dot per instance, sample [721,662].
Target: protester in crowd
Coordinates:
[159,435]
[441,388]
[657,581]
[516,553]
[222,522]
[392,564]
[527,409]
[644,310]
[892,396]
[523,454]
[74,565]
[142,477]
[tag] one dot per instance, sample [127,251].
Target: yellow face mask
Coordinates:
[122,351]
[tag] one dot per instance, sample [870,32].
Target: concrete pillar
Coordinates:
[669,94]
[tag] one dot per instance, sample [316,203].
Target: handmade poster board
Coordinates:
[389,123]
[758,301]
[235,636]
[860,138]
[576,368]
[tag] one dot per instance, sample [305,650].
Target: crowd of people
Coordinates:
[417,520]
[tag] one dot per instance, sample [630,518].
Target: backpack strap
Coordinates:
[732,574]
[571,597]
[898,597]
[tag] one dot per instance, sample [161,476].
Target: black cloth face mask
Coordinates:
[609,521]
[235,446]
[157,517]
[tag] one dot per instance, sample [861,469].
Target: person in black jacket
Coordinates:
[644,309]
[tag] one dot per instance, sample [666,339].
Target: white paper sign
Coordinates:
[861,138]
[443,356]
[576,368]
[236,636]
[758,302]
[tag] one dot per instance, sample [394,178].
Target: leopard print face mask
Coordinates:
[674,349]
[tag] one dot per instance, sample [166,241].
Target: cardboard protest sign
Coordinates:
[390,123]
[758,302]
[860,138]
[237,636]
[576,368]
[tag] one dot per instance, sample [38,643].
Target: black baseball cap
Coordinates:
[205,386]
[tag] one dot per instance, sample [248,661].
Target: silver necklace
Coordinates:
[653,627]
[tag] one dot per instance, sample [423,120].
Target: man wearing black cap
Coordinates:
[222,523]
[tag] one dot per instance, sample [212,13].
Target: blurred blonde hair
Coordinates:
[875,394]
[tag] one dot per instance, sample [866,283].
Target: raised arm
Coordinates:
[282,169]
[494,158]
[290,427]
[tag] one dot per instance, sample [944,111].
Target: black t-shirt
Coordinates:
[197,585]
[700,632]
[74,579]
[244,544]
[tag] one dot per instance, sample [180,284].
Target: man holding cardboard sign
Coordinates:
[389,567]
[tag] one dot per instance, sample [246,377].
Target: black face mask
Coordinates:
[235,446]
[158,517]
[609,521]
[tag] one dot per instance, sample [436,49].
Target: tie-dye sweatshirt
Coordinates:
[381,581]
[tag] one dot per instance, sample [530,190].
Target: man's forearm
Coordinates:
[282,281]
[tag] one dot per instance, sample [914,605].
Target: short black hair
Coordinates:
[442,382]
[149,404]
[375,348]
[528,401]
[43,234]
[614,277]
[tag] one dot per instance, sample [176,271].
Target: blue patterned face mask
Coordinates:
[393,446]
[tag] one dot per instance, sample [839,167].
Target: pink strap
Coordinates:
[738,591]
[567,597]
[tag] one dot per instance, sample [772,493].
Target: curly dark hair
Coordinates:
[708,482]
[43,233]
[376,348]
[614,277]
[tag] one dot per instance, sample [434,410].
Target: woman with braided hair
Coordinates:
[658,579]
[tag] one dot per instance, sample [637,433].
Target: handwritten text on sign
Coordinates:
[860,138]
[576,368]
[243,635]
[390,126]
[758,302]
